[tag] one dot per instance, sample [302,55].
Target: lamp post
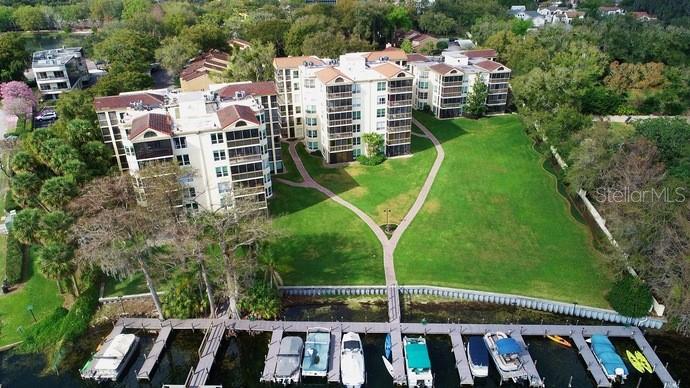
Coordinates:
[30,308]
[388,223]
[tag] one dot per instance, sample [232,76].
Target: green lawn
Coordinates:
[39,292]
[135,284]
[291,172]
[394,184]
[322,242]
[495,221]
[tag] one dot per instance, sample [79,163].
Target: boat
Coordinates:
[644,362]
[388,365]
[288,361]
[560,340]
[417,363]
[388,346]
[606,355]
[316,350]
[109,362]
[352,373]
[478,357]
[505,352]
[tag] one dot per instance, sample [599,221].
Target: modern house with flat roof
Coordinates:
[227,135]
[59,70]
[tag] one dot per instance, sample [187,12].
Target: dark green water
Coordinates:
[240,359]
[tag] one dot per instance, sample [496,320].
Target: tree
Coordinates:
[325,44]
[55,262]
[76,104]
[132,8]
[269,264]
[184,299]
[270,30]
[374,143]
[176,16]
[406,46]
[520,26]
[261,301]
[13,57]
[254,63]
[630,297]
[26,225]
[117,82]
[56,192]
[436,23]
[302,28]
[175,53]
[53,227]
[672,138]
[476,101]
[6,18]
[126,50]
[17,98]
[23,161]
[399,19]
[105,10]
[207,36]
[25,185]
[30,18]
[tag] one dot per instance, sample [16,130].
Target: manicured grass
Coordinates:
[322,242]
[135,284]
[393,184]
[38,292]
[495,221]
[291,172]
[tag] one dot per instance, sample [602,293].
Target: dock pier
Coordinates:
[334,356]
[216,329]
[271,360]
[528,363]
[152,358]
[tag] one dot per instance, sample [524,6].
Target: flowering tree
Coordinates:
[17,98]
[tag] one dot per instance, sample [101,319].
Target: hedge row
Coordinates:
[14,260]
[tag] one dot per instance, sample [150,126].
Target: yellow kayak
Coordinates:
[634,361]
[643,361]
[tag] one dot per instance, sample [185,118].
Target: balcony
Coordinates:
[338,123]
[449,105]
[451,92]
[339,135]
[255,141]
[246,191]
[335,109]
[340,148]
[499,80]
[247,175]
[398,129]
[498,91]
[496,102]
[398,116]
[400,102]
[447,84]
[402,89]
[392,142]
[245,159]
[334,96]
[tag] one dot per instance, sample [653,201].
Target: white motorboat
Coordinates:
[352,361]
[478,357]
[110,362]
[417,363]
[316,350]
[505,352]
[288,364]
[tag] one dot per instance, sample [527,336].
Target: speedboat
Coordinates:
[606,355]
[288,363]
[316,348]
[352,371]
[417,363]
[110,362]
[505,352]
[478,357]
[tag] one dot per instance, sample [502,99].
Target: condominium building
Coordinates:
[59,70]
[443,83]
[227,136]
[197,75]
[331,103]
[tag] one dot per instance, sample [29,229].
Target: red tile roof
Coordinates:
[482,53]
[267,88]
[127,100]
[157,121]
[489,65]
[393,54]
[213,59]
[233,113]
[416,58]
[441,68]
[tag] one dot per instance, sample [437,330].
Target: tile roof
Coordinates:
[329,74]
[393,54]
[213,59]
[267,88]
[389,70]
[233,113]
[481,53]
[489,65]
[127,100]
[441,68]
[157,121]
[295,62]
[414,57]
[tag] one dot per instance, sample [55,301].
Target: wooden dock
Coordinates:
[396,329]
[527,362]
[591,362]
[461,362]
[152,358]
[334,357]
[271,360]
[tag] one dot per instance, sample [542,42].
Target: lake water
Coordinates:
[240,360]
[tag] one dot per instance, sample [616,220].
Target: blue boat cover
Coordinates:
[417,355]
[388,346]
[478,351]
[606,353]
[507,346]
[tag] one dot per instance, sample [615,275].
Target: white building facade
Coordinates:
[226,140]
[59,70]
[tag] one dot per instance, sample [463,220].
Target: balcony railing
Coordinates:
[247,175]
[50,77]
[339,135]
[401,128]
[397,116]
[447,84]
[498,80]
[255,141]
[498,91]
[245,158]
[399,102]
[449,105]
[455,92]
[340,148]
[332,96]
[399,141]
[338,123]
[344,108]
[401,89]
[498,102]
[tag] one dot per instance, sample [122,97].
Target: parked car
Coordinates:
[45,116]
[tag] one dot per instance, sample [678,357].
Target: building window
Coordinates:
[356,128]
[311,109]
[183,160]
[356,152]
[223,188]
[381,112]
[219,155]
[180,142]
[190,192]
[216,138]
[295,74]
[312,145]
[380,86]
[58,74]
[310,120]
[380,125]
[423,85]
[357,141]
[380,100]
[62,85]
[356,115]
[295,86]
[309,83]
[221,171]
[356,88]
[298,109]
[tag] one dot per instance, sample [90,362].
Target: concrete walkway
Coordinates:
[388,245]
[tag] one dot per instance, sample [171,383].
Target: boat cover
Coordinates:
[478,351]
[114,354]
[508,346]
[606,353]
[316,351]
[289,356]
[417,355]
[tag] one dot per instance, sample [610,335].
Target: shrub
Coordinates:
[261,301]
[10,204]
[371,160]
[185,299]
[630,296]
[14,261]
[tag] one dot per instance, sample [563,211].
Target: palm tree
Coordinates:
[55,262]
[270,268]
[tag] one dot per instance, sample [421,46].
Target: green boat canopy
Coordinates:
[417,356]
